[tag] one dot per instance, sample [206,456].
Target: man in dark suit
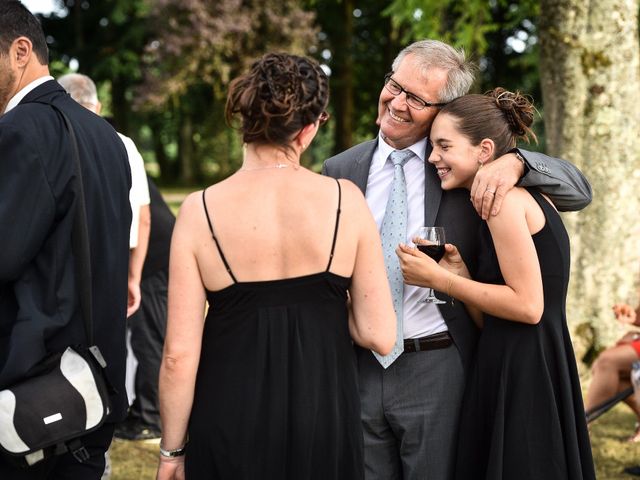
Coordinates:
[411,398]
[39,312]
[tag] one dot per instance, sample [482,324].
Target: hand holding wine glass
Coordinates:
[430,241]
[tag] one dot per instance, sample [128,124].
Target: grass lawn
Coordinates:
[133,460]
[611,451]
[138,460]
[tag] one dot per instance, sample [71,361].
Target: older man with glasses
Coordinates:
[411,398]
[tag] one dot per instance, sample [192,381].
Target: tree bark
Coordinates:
[162,159]
[342,80]
[185,149]
[591,93]
[120,106]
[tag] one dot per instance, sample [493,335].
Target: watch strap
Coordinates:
[178,452]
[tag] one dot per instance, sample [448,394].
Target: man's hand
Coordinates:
[493,181]
[133,301]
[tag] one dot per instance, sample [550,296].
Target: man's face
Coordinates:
[401,125]
[8,81]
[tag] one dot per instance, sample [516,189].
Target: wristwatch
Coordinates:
[519,156]
[178,452]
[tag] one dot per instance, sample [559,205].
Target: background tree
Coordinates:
[106,39]
[196,48]
[358,45]
[591,91]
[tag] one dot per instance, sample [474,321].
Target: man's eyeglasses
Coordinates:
[413,100]
[323,118]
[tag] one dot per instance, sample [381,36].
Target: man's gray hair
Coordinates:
[81,88]
[436,54]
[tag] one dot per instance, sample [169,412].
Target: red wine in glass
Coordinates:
[431,240]
[434,251]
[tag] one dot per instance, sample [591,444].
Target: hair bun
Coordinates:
[518,110]
[278,96]
[281,90]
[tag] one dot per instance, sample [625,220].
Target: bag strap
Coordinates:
[80,238]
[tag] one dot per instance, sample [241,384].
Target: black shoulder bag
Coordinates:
[66,396]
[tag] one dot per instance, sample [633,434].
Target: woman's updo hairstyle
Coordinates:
[499,115]
[280,95]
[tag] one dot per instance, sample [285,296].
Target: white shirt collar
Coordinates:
[17,98]
[384,150]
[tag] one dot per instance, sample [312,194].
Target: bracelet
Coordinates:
[178,452]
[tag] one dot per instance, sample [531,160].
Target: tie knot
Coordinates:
[400,157]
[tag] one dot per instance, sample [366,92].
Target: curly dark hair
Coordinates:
[280,95]
[500,115]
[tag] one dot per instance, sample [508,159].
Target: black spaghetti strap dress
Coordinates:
[523,416]
[276,393]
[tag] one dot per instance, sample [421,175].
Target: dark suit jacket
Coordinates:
[453,210]
[39,311]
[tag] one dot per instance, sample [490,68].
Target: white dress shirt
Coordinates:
[420,319]
[17,98]
[139,193]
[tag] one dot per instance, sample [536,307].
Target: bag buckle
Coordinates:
[79,452]
[95,351]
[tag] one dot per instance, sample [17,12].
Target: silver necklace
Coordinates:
[277,165]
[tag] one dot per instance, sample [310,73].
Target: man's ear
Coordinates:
[21,51]
[98,107]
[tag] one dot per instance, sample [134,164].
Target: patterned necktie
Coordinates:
[392,232]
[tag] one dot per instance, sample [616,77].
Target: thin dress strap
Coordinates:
[335,231]
[213,235]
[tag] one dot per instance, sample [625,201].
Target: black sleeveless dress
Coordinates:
[523,416]
[276,393]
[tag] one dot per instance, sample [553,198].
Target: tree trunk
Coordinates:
[162,159]
[120,106]
[185,149]
[591,92]
[342,80]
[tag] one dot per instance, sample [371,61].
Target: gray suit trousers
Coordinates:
[410,414]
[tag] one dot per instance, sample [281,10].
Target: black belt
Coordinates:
[431,342]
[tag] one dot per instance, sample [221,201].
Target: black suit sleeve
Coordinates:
[26,202]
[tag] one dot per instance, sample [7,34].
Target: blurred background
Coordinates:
[163,66]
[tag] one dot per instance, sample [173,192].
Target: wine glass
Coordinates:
[430,240]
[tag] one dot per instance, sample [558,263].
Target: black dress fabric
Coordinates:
[523,416]
[276,393]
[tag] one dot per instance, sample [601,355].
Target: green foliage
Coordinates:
[486,30]
[163,66]
[203,45]
[463,23]
[207,43]
[106,37]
